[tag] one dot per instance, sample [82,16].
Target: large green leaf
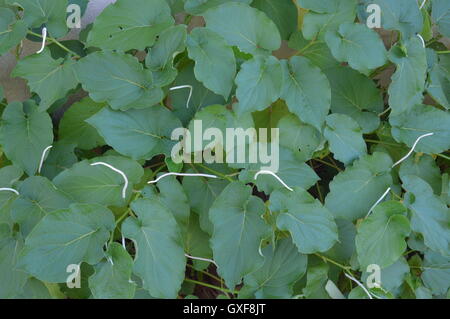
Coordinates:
[282,12]
[25,126]
[420,120]
[430,215]
[408,81]
[355,190]
[245,27]
[74,129]
[11,30]
[436,274]
[66,237]
[309,96]
[401,15]
[38,197]
[238,232]
[160,57]
[317,23]
[441,16]
[283,266]
[50,79]
[358,45]
[345,138]
[130,24]
[112,278]
[9,175]
[381,236]
[424,167]
[60,157]
[140,134]
[159,261]
[259,84]
[85,183]
[212,56]
[12,280]
[355,95]
[124,86]
[439,81]
[311,225]
[49,13]
[197,7]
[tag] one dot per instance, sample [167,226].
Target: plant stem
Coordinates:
[443,52]
[383,143]
[326,259]
[206,273]
[328,164]
[224,290]
[215,172]
[443,156]
[55,42]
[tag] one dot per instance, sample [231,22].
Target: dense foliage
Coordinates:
[349,101]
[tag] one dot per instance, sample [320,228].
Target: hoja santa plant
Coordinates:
[349,98]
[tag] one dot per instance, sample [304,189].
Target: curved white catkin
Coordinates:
[44,153]
[378,201]
[359,284]
[191,89]
[421,39]
[125,186]
[412,149]
[180,174]
[6,189]
[264,172]
[44,38]
[201,259]
[423,3]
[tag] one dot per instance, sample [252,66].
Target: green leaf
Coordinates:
[12,280]
[439,81]
[355,95]
[197,7]
[50,79]
[45,12]
[9,175]
[381,236]
[358,45]
[441,16]
[424,167]
[38,197]
[196,243]
[420,120]
[283,266]
[317,277]
[245,27]
[282,12]
[308,97]
[430,215]
[140,134]
[259,84]
[159,261]
[130,24]
[238,232]
[355,190]
[316,24]
[11,30]
[124,86]
[392,277]
[170,194]
[74,129]
[401,15]
[345,138]
[23,124]
[436,274]
[112,278]
[311,225]
[85,183]
[292,169]
[408,81]
[65,237]
[202,192]
[212,56]
[170,43]
[60,157]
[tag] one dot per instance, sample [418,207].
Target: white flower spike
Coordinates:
[201,259]
[378,201]
[44,153]
[180,174]
[6,189]
[44,38]
[125,186]
[274,175]
[423,3]
[359,284]
[184,87]
[421,39]
[412,149]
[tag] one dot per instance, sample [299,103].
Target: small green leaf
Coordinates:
[197,7]
[11,30]
[441,16]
